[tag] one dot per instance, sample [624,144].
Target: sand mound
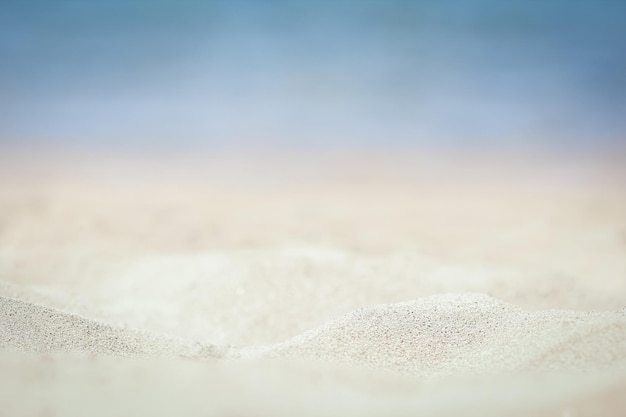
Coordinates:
[28,327]
[464,334]
[305,263]
[266,296]
[441,335]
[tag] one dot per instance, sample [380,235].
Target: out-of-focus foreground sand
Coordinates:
[370,282]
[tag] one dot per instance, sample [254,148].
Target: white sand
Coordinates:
[498,290]
[32,328]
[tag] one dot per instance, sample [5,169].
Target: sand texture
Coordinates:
[358,284]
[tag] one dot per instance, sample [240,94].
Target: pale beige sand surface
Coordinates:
[346,283]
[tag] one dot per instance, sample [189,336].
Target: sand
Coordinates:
[367,283]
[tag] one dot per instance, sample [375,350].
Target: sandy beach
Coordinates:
[335,282]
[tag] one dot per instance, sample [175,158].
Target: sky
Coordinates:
[485,72]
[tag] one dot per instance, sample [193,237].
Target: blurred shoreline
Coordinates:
[541,166]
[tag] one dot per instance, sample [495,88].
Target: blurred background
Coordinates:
[173,161]
[314,73]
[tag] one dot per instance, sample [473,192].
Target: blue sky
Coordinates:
[321,72]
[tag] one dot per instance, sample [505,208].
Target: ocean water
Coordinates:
[471,72]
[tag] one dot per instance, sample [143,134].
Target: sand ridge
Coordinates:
[440,335]
[402,287]
[29,327]
[456,334]
[421,356]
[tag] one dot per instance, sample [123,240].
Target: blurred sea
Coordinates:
[472,72]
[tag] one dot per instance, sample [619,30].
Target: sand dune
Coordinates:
[32,328]
[450,334]
[377,288]
[475,343]
[266,296]
[465,334]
